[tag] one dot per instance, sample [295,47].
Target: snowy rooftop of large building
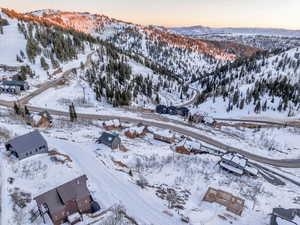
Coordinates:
[236,158]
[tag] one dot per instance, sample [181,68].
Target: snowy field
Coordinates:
[151,161]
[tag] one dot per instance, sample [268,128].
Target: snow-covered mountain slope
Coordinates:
[182,55]
[114,79]
[266,84]
[36,51]
[122,80]
[129,80]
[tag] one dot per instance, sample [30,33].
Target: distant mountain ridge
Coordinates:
[202,30]
[90,23]
[183,56]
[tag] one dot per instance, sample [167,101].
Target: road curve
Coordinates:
[191,101]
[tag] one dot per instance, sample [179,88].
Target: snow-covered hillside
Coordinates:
[182,55]
[268,84]
[36,52]
[129,79]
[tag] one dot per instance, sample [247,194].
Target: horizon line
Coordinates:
[160,25]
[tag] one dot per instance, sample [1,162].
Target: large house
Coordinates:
[237,164]
[27,145]
[111,140]
[67,202]
[13,87]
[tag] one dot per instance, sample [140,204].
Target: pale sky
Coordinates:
[214,13]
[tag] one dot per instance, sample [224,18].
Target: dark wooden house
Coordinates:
[27,145]
[111,140]
[65,202]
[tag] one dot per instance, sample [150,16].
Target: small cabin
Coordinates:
[67,202]
[188,147]
[134,132]
[27,145]
[165,136]
[111,140]
[40,119]
[111,125]
[161,109]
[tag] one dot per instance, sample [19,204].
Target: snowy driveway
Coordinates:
[114,188]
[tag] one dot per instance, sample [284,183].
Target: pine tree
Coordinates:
[71,114]
[264,108]
[16,109]
[27,113]
[44,64]
[242,104]
[74,112]
[157,100]
[257,107]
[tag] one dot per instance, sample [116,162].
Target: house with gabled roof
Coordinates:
[67,202]
[27,145]
[111,140]
[237,164]
[281,216]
